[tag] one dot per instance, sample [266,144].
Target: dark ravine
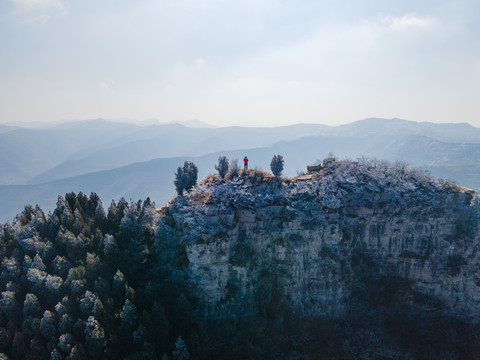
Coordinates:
[310,244]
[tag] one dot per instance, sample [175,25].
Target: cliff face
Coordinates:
[311,244]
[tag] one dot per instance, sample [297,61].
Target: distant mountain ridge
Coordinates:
[37,155]
[117,160]
[173,140]
[450,132]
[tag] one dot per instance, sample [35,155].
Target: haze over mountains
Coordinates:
[117,159]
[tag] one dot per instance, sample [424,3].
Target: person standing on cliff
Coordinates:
[245,163]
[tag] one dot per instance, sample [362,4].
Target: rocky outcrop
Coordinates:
[307,245]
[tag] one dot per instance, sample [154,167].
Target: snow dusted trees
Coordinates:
[185,177]
[277,165]
[94,337]
[180,352]
[69,279]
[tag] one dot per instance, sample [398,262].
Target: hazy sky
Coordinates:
[252,62]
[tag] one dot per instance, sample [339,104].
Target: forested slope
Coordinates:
[83,283]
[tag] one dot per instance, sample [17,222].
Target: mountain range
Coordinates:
[116,159]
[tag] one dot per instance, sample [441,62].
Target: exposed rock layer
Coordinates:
[257,243]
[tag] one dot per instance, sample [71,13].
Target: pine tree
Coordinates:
[233,168]
[48,325]
[31,305]
[119,287]
[277,165]
[222,166]
[128,316]
[185,177]
[94,336]
[180,352]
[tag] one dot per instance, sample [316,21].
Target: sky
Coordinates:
[250,62]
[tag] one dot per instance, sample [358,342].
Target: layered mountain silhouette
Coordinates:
[120,159]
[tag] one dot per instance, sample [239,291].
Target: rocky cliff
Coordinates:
[309,245]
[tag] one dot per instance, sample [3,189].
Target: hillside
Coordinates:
[174,140]
[353,260]
[32,151]
[454,132]
[5,128]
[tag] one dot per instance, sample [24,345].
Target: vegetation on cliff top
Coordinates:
[338,184]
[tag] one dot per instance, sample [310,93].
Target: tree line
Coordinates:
[186,176]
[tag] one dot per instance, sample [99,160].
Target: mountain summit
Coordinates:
[307,243]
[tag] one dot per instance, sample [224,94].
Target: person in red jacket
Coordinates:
[245,163]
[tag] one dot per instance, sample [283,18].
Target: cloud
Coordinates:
[36,4]
[407,21]
[103,85]
[199,63]
[37,11]
[106,86]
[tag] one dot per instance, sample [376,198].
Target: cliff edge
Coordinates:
[313,245]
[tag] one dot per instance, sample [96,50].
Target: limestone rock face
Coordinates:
[308,244]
